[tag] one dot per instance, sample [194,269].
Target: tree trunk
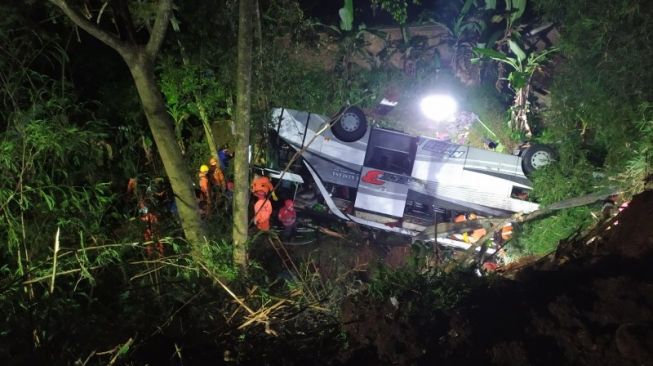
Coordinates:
[140,60]
[241,164]
[208,132]
[161,126]
[520,110]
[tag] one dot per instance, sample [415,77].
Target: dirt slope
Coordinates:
[589,304]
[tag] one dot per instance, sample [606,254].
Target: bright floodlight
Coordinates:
[439,107]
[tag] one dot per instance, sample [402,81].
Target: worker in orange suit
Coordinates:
[151,232]
[261,187]
[470,236]
[216,175]
[262,213]
[218,182]
[205,191]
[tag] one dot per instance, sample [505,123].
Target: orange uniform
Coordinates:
[216,174]
[150,233]
[262,211]
[506,232]
[205,191]
[476,235]
[261,187]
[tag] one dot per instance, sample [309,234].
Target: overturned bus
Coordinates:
[396,182]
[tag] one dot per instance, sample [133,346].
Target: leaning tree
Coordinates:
[125,37]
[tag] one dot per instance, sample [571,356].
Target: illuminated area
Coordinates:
[439,108]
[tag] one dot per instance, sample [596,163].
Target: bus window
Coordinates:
[520,193]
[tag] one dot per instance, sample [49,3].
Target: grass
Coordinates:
[542,236]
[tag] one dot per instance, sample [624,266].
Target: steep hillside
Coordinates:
[589,304]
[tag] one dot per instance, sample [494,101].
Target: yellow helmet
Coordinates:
[204,169]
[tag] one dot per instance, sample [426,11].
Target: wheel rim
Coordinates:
[350,122]
[540,159]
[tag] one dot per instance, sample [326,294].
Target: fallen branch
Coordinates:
[330,232]
[117,351]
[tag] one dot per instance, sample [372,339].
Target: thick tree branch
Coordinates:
[91,28]
[159,28]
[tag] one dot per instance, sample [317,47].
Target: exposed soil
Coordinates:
[588,304]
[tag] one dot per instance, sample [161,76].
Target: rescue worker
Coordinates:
[262,213]
[288,217]
[150,233]
[261,187]
[218,182]
[225,155]
[205,193]
[470,236]
[132,187]
[216,175]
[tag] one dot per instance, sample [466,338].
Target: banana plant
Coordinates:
[464,32]
[522,66]
[351,39]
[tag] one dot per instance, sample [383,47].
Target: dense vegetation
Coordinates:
[78,282]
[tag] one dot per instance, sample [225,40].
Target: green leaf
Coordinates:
[519,6]
[518,79]
[496,18]
[49,200]
[468,4]
[346,14]
[514,47]
[124,349]
[490,4]
[493,54]
[174,22]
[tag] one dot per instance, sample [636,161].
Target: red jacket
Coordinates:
[287,216]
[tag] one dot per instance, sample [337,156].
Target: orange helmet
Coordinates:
[213,161]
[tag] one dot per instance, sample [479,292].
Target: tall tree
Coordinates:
[241,163]
[140,58]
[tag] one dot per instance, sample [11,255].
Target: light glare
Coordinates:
[439,107]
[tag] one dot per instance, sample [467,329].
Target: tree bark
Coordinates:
[208,132]
[241,163]
[140,60]
[160,123]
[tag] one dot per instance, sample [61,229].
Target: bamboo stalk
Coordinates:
[70,271]
[54,260]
